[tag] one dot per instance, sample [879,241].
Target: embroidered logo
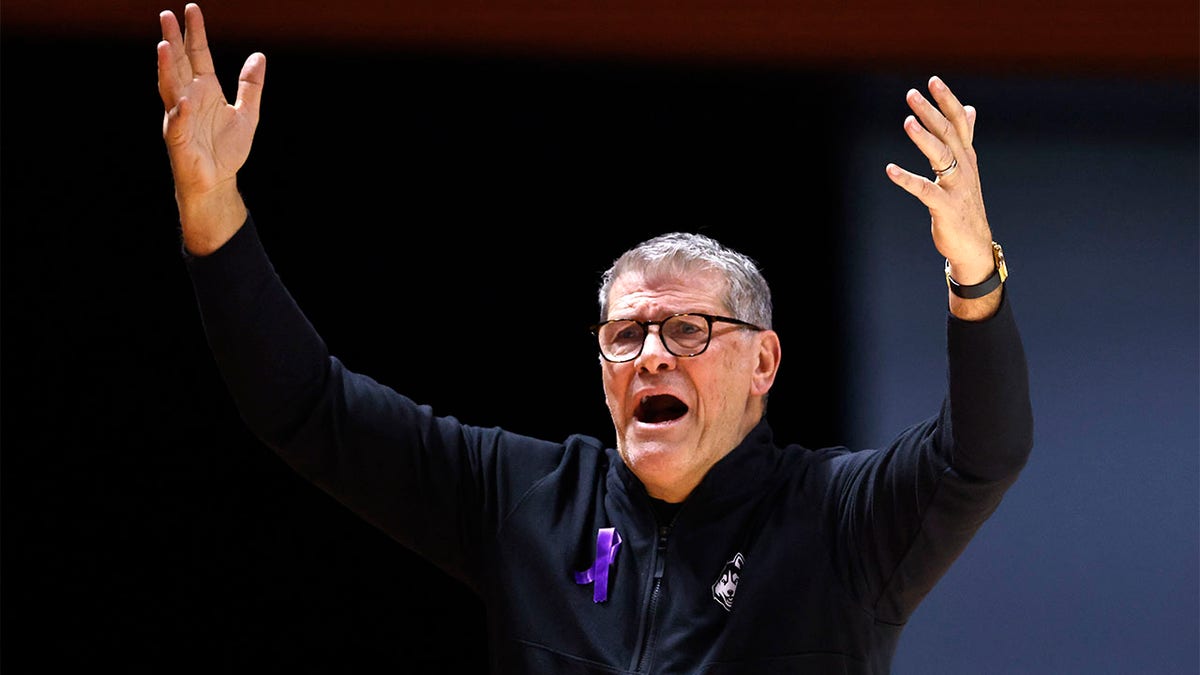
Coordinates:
[607,543]
[727,583]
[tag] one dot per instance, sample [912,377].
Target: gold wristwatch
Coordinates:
[987,285]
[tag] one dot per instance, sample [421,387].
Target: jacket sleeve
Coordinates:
[428,481]
[901,515]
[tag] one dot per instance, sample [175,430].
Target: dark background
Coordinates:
[410,192]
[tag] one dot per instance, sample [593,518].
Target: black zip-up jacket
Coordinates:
[782,560]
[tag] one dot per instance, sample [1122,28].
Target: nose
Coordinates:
[654,356]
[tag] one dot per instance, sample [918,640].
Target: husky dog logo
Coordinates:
[727,583]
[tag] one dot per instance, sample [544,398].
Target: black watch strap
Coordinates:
[987,285]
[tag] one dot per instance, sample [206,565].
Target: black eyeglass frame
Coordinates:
[710,319]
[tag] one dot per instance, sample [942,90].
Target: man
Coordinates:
[698,544]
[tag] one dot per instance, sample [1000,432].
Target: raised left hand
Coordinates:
[959,224]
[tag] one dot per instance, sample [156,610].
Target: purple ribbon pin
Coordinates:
[607,543]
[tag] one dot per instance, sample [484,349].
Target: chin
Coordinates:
[653,451]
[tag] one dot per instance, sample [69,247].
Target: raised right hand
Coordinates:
[208,140]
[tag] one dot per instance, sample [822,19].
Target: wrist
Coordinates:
[980,299]
[978,280]
[976,309]
[972,270]
[208,220]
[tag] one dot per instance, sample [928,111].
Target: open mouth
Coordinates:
[660,408]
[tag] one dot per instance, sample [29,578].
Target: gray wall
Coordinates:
[1090,564]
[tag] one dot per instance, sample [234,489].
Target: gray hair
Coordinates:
[676,254]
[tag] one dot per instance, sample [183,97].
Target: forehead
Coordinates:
[650,295]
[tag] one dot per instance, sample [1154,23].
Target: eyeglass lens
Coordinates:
[683,335]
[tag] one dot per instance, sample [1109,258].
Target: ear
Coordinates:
[768,363]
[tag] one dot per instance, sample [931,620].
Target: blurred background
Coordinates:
[422,166]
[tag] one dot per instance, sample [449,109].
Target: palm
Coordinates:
[213,143]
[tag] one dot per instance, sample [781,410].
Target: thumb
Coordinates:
[250,86]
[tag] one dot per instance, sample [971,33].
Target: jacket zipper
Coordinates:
[649,632]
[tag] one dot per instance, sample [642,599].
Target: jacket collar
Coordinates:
[734,477]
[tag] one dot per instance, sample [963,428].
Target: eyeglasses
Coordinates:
[682,334]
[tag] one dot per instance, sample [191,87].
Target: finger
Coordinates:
[920,187]
[168,84]
[250,86]
[937,124]
[173,68]
[971,115]
[170,27]
[951,109]
[195,41]
[938,153]
[179,65]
